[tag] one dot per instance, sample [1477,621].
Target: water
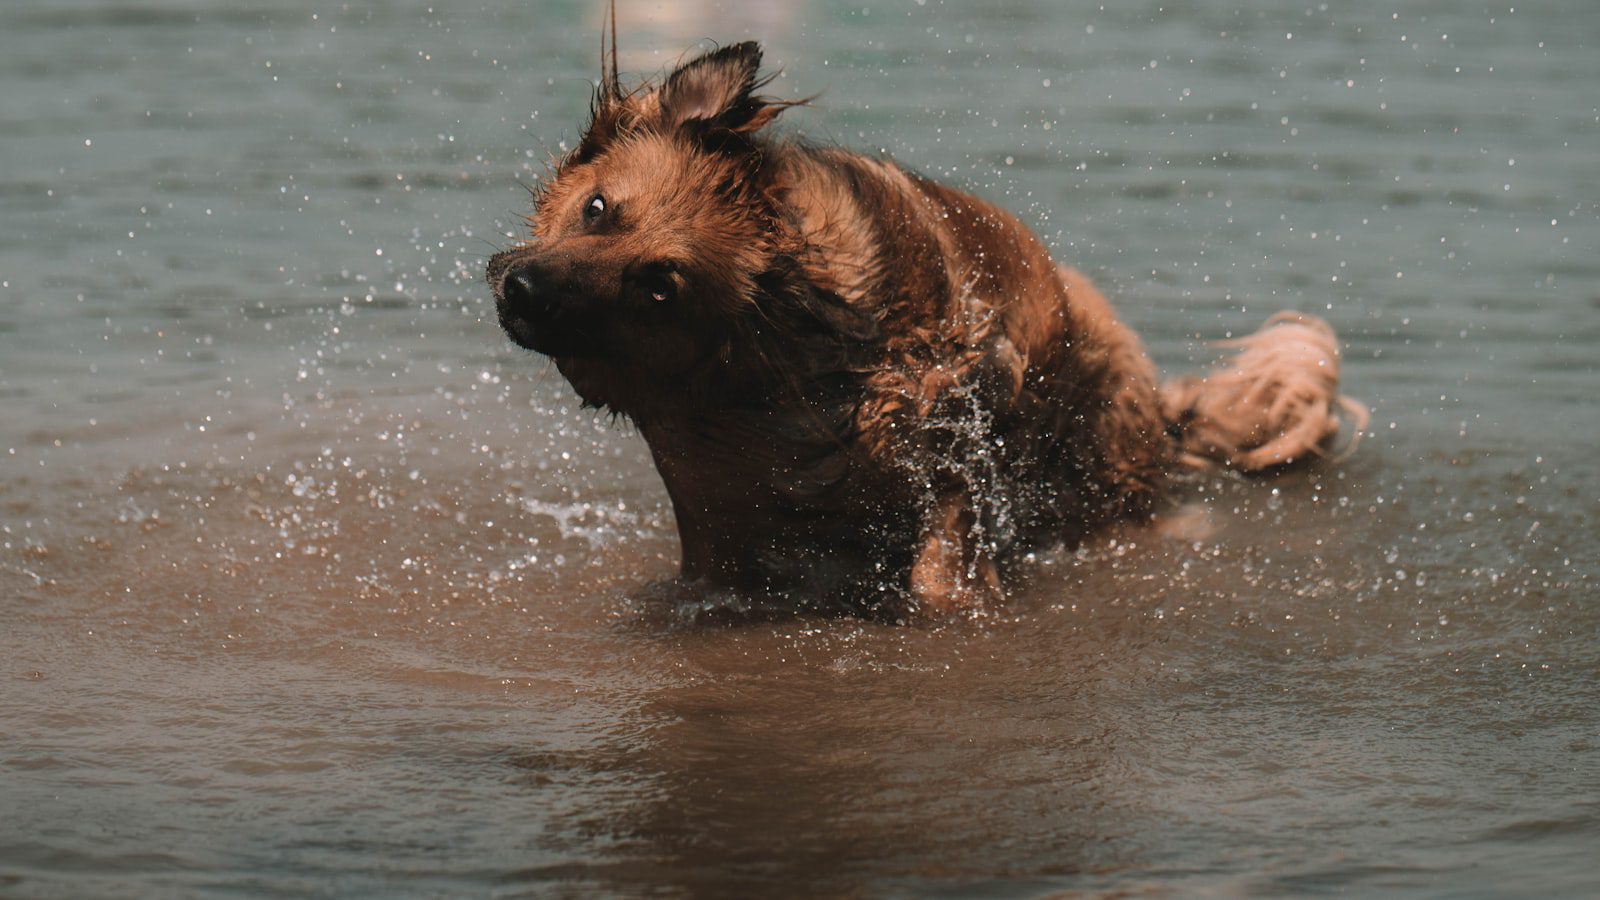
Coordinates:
[313,585]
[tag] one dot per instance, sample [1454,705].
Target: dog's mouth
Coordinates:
[553,334]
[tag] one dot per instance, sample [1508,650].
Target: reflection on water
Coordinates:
[311,584]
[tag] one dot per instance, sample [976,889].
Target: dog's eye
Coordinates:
[594,210]
[661,284]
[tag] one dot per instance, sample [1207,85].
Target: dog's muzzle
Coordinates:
[529,301]
[524,292]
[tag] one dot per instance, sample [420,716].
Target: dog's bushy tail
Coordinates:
[1274,403]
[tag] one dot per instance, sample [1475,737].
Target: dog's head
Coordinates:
[649,240]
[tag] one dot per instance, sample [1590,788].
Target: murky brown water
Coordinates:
[312,586]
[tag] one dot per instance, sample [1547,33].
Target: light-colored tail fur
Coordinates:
[1276,402]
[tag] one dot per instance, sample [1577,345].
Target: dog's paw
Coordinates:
[953,573]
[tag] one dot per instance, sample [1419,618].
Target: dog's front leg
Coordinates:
[953,571]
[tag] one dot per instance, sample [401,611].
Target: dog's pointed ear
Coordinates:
[718,89]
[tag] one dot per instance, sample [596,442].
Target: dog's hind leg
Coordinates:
[953,571]
[1113,365]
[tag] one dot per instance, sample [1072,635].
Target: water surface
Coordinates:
[313,585]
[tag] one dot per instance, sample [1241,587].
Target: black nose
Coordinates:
[531,301]
[524,291]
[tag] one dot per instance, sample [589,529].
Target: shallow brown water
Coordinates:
[313,586]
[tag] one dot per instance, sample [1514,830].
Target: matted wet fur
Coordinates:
[860,386]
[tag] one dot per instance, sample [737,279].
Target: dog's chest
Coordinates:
[797,463]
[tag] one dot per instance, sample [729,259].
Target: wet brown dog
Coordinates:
[859,385]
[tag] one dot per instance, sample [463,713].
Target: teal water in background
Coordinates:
[312,584]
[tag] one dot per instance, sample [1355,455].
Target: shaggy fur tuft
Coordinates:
[1275,403]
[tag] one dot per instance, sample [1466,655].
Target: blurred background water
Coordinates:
[312,585]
